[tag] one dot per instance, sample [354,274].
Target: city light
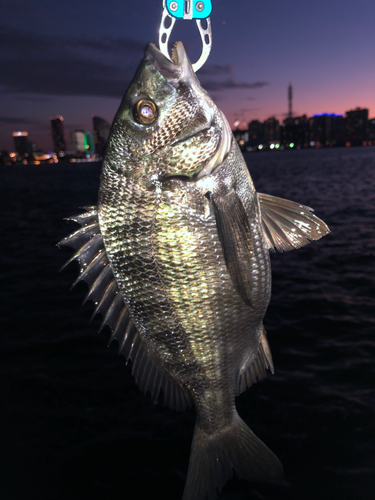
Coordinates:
[88,142]
[327,114]
[294,132]
[20,134]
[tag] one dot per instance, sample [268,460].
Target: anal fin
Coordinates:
[255,369]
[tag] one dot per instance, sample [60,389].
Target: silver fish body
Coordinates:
[180,268]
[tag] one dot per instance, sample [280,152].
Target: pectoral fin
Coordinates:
[235,236]
[288,225]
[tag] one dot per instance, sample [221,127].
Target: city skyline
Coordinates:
[78,61]
[237,124]
[356,128]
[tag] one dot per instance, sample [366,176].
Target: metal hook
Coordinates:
[206,36]
[205,33]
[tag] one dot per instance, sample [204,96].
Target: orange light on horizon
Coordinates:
[20,133]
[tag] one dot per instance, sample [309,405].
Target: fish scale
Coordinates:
[190,283]
[139,279]
[177,260]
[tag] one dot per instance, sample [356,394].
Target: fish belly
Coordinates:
[218,326]
[127,210]
[168,261]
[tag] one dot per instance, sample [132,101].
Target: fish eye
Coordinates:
[146,112]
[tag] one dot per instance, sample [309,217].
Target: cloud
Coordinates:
[17,121]
[34,99]
[106,44]
[52,65]
[230,84]
[30,42]
[247,110]
[75,76]
[215,70]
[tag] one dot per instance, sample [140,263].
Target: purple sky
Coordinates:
[76,58]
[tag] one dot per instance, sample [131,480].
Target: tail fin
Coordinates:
[213,458]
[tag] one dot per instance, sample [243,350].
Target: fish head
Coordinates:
[167,125]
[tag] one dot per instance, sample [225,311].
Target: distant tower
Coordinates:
[290,100]
[58,134]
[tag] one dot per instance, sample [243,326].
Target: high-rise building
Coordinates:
[337,131]
[89,143]
[356,126]
[295,132]
[371,130]
[76,141]
[58,135]
[271,131]
[327,130]
[256,133]
[101,134]
[319,127]
[21,143]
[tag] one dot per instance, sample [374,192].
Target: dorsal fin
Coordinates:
[288,225]
[95,269]
[255,368]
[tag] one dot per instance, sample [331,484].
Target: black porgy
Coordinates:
[176,255]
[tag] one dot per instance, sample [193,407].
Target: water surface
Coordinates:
[75,426]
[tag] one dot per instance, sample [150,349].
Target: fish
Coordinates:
[176,257]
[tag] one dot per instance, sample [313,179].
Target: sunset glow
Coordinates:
[81,65]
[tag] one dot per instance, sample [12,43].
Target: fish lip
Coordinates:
[164,65]
[174,71]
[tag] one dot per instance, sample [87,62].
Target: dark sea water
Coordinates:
[75,426]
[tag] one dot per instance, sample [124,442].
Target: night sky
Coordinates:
[76,58]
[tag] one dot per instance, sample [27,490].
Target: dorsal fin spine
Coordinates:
[87,252]
[128,340]
[106,299]
[113,313]
[99,286]
[121,325]
[94,268]
[96,271]
[81,236]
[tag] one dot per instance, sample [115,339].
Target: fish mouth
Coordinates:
[174,70]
